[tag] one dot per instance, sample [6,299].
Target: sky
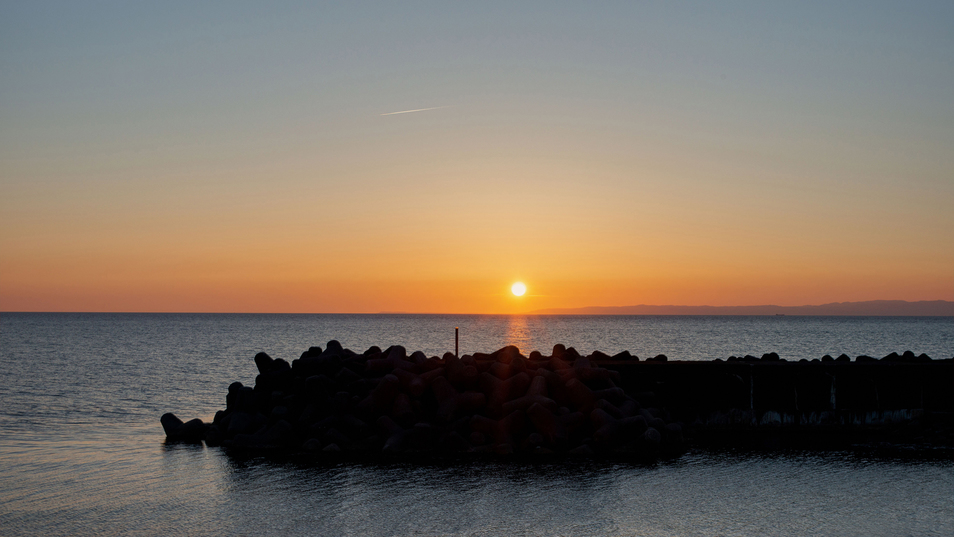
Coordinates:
[244,157]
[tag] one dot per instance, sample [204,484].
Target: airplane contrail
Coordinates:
[418,110]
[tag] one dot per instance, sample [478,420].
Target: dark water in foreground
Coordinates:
[81,449]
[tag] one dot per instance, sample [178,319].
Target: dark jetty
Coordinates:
[336,402]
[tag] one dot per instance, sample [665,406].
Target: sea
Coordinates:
[82,451]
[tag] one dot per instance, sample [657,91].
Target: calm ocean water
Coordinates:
[82,452]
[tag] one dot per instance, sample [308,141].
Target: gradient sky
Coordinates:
[207,156]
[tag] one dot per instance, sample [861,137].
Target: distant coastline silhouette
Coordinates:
[924,308]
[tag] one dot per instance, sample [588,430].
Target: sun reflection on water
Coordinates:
[518,333]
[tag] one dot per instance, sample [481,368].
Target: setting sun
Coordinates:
[518,289]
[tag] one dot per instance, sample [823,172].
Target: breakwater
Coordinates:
[768,402]
[335,400]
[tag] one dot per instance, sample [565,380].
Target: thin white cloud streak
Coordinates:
[418,110]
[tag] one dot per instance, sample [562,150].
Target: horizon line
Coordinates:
[565,311]
[526,313]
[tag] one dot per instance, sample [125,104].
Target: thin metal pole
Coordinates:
[457,341]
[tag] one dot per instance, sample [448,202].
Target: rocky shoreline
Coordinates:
[337,402]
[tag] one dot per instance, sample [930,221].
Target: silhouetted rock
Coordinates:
[242,423]
[264,362]
[418,358]
[651,441]
[170,424]
[312,352]
[506,354]
[333,347]
[389,403]
[177,431]
[583,450]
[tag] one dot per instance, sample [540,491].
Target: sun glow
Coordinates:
[518,289]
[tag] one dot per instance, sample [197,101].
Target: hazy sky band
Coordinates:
[234,157]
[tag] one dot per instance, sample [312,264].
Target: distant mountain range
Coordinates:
[923,308]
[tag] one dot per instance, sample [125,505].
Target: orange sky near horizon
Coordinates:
[638,155]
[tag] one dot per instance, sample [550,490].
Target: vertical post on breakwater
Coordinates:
[457,341]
